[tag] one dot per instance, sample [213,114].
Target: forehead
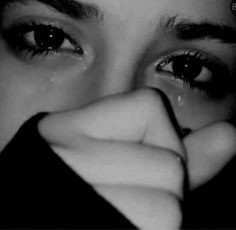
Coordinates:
[144,10]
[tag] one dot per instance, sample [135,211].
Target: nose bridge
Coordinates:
[127,39]
[118,74]
[120,66]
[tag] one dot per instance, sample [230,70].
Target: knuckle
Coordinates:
[50,126]
[58,129]
[44,127]
[174,173]
[150,98]
[172,211]
[175,211]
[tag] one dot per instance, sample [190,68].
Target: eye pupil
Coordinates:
[186,67]
[49,38]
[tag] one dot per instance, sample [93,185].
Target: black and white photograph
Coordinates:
[118,114]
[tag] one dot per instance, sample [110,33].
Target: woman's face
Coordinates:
[58,55]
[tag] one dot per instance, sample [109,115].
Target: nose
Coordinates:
[120,61]
[118,77]
[123,50]
[118,72]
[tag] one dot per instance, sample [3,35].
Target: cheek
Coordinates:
[196,110]
[25,94]
[192,108]
[17,100]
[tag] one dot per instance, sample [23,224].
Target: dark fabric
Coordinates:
[213,206]
[39,191]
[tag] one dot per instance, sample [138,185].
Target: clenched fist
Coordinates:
[126,147]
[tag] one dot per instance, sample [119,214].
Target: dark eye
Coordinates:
[197,70]
[42,39]
[46,37]
[186,68]
[49,38]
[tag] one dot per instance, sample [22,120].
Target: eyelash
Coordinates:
[15,38]
[217,86]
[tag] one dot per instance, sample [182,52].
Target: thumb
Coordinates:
[209,150]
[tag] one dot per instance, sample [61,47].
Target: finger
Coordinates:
[138,117]
[148,208]
[127,164]
[209,150]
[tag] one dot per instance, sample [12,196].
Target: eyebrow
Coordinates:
[182,28]
[75,9]
[185,29]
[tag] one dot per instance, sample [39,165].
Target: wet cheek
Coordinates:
[196,110]
[192,108]
[37,91]
[23,93]
[17,102]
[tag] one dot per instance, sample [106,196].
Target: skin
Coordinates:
[115,65]
[120,55]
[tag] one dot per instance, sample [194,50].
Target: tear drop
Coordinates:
[180,101]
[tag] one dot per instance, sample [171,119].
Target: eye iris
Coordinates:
[49,38]
[186,67]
